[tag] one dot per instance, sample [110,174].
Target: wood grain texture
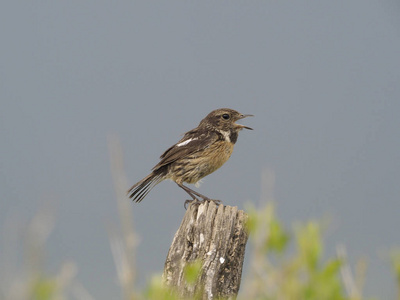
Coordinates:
[216,236]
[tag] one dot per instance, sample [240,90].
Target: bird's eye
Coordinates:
[226,116]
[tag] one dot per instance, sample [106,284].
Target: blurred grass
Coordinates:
[395,259]
[277,274]
[284,264]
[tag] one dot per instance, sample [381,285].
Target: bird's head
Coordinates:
[224,119]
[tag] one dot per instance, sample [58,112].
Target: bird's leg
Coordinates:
[205,198]
[189,191]
[193,194]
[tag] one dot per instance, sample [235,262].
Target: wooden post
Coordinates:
[216,237]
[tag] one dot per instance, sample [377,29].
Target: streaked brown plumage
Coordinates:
[200,152]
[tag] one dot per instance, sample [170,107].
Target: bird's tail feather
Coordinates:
[139,190]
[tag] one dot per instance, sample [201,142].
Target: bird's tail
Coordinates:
[139,190]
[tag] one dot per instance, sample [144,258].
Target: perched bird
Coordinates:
[200,152]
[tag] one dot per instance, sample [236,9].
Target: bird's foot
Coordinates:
[198,202]
[194,201]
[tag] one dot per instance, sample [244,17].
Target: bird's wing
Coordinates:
[192,142]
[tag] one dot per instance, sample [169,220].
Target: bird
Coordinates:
[200,152]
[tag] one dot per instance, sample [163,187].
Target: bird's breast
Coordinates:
[217,154]
[202,163]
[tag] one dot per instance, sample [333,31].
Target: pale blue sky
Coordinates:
[321,78]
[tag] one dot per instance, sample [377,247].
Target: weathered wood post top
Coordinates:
[216,237]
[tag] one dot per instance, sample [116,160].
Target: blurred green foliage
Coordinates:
[192,271]
[282,270]
[395,258]
[157,290]
[44,288]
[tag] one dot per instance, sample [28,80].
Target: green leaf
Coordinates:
[192,271]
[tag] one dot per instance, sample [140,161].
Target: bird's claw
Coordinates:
[193,201]
[198,202]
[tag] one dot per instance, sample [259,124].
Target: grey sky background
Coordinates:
[322,79]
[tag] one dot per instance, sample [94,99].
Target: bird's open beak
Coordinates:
[242,126]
